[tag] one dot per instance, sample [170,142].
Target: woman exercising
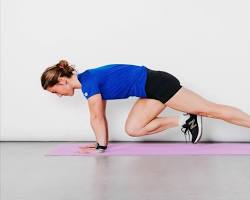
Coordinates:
[156,89]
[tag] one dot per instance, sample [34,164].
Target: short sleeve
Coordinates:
[90,88]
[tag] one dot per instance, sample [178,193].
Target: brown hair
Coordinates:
[51,74]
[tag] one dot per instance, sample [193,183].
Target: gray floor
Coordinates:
[26,174]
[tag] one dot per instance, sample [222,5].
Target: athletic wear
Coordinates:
[161,85]
[114,81]
[120,81]
[193,126]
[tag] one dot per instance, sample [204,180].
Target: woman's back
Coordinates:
[114,81]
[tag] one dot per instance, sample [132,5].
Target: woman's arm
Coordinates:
[98,121]
[100,128]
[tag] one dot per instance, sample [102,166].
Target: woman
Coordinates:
[156,89]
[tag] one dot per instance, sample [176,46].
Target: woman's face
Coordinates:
[62,88]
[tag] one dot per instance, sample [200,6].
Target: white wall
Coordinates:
[204,43]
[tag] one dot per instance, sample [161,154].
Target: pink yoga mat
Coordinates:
[133,149]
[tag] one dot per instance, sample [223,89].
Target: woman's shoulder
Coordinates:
[82,75]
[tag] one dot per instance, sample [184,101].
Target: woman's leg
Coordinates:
[143,120]
[188,101]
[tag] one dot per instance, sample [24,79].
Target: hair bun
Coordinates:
[63,64]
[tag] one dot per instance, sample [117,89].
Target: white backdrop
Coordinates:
[206,44]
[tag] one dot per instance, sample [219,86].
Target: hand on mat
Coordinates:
[85,150]
[88,146]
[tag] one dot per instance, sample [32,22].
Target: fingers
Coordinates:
[86,150]
[91,148]
[88,146]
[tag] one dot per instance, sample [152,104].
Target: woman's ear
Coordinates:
[62,80]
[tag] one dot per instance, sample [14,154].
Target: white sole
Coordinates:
[199,121]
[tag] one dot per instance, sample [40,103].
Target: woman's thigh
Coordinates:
[188,101]
[143,111]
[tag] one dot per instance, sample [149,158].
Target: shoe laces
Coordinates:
[186,131]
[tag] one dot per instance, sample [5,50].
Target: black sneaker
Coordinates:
[193,126]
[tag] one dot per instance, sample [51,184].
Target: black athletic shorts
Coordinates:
[161,85]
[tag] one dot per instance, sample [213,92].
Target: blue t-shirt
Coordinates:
[114,81]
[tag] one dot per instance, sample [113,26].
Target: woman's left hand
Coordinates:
[93,145]
[86,150]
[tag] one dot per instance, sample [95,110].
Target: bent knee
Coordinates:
[131,132]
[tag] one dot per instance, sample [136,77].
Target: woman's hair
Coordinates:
[51,74]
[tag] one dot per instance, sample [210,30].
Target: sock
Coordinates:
[182,119]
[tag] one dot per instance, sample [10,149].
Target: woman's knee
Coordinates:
[130,128]
[131,132]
